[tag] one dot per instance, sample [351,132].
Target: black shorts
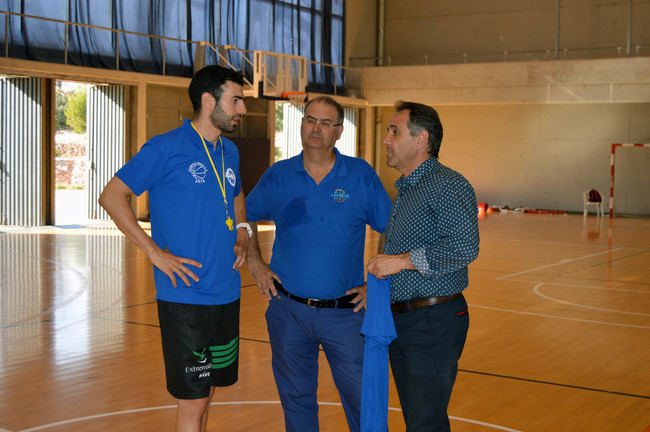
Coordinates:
[200,346]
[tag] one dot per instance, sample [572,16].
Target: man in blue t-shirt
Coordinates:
[195,199]
[321,202]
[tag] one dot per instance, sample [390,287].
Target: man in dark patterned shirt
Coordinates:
[431,238]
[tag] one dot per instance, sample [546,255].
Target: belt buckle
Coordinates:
[309,302]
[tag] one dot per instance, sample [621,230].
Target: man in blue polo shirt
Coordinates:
[195,200]
[320,202]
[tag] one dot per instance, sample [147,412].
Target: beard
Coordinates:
[221,120]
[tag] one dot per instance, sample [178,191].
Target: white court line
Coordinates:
[83,281]
[559,317]
[635,291]
[489,425]
[138,410]
[96,416]
[539,284]
[538,292]
[561,262]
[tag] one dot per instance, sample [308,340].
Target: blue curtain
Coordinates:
[314,29]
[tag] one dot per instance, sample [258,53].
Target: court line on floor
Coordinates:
[643,252]
[163,407]
[484,373]
[571,386]
[65,302]
[539,293]
[87,281]
[569,285]
[266,342]
[561,262]
[263,341]
[539,283]
[559,317]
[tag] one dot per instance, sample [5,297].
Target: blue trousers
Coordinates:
[296,332]
[424,360]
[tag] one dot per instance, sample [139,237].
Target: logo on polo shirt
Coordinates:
[339,195]
[198,171]
[230,175]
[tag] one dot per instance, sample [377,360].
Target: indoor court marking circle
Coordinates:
[536,290]
[164,407]
[539,284]
[84,281]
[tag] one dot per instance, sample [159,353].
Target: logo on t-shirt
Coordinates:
[198,170]
[230,175]
[339,195]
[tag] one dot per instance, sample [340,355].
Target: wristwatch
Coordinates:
[248,228]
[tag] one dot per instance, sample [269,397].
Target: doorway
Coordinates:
[42,161]
[89,147]
[71,154]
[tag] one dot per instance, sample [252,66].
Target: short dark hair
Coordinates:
[423,117]
[211,79]
[329,101]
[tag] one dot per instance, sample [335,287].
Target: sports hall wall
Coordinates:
[545,156]
[540,142]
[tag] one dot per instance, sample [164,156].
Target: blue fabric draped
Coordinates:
[310,28]
[378,330]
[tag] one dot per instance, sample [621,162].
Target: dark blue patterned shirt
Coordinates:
[434,218]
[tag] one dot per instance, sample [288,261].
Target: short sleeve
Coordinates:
[257,207]
[144,169]
[379,204]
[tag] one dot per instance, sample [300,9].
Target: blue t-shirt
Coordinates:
[187,211]
[320,229]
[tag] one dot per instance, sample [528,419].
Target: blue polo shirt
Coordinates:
[320,229]
[187,211]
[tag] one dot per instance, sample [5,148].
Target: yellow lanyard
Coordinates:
[222,185]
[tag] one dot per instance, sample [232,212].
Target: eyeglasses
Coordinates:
[324,123]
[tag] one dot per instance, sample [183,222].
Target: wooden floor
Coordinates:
[559,335]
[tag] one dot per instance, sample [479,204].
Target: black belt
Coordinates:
[421,302]
[341,302]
